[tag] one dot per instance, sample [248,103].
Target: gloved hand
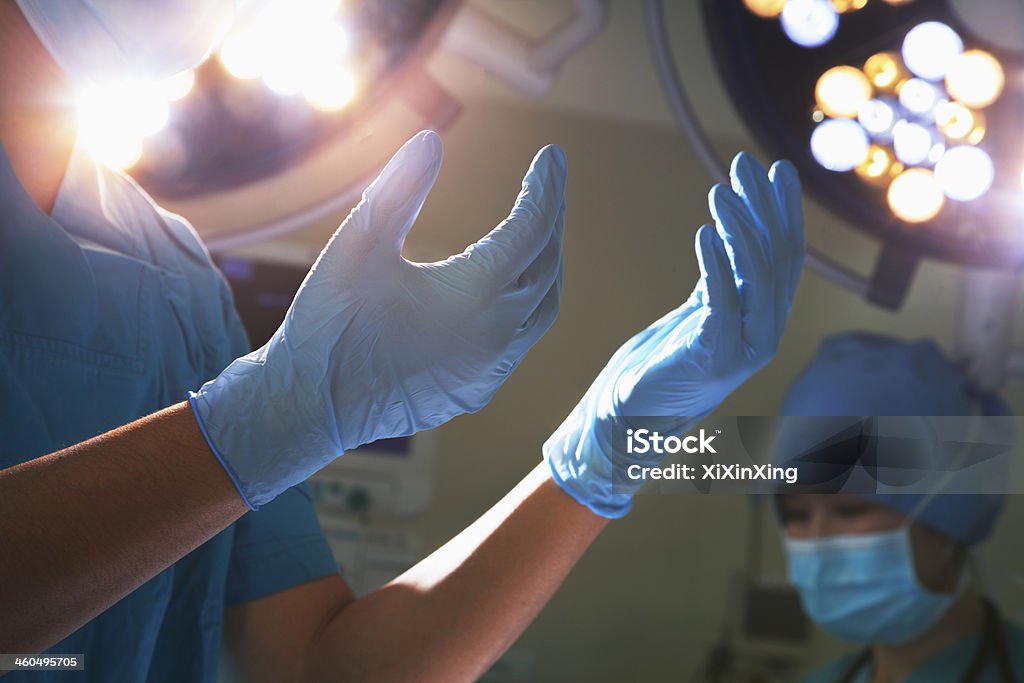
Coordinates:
[682,366]
[376,346]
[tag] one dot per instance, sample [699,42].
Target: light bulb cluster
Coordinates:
[298,47]
[911,122]
[810,23]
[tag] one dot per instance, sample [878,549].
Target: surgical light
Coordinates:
[842,91]
[912,142]
[840,144]
[878,117]
[810,23]
[885,70]
[965,173]
[955,120]
[930,49]
[976,78]
[915,196]
[919,97]
[177,86]
[878,166]
[113,118]
[765,8]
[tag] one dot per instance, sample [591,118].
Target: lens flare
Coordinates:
[885,70]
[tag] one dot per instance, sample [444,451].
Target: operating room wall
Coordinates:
[649,597]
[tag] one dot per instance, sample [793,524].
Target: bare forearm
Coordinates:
[452,615]
[83,527]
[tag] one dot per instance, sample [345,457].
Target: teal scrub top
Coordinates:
[110,309]
[947,666]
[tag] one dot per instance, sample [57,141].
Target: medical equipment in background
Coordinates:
[303,102]
[902,117]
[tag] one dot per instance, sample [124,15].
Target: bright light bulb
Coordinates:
[877,166]
[919,97]
[329,88]
[242,53]
[177,86]
[810,23]
[839,144]
[843,6]
[765,8]
[842,91]
[930,49]
[912,142]
[114,148]
[955,120]
[878,117]
[965,173]
[884,70]
[976,78]
[915,196]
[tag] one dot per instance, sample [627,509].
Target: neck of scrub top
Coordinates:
[37,113]
[964,619]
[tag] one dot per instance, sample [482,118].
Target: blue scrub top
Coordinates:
[947,666]
[110,309]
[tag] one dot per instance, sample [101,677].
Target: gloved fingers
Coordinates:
[746,252]
[505,252]
[786,186]
[750,183]
[539,275]
[543,316]
[392,202]
[716,271]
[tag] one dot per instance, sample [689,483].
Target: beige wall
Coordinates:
[648,598]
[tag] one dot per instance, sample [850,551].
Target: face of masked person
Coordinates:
[96,41]
[854,567]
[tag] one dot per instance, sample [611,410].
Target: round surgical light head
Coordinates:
[912,142]
[965,173]
[840,144]
[976,78]
[930,49]
[842,91]
[810,23]
[915,196]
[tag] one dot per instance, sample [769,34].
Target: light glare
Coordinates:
[842,91]
[976,78]
[810,23]
[930,49]
[915,196]
[839,144]
[912,142]
[965,173]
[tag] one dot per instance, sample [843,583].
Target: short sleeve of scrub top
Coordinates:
[112,310]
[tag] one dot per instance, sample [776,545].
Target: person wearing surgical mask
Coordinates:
[890,571]
[143,531]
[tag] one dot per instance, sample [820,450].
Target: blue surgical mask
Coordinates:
[863,587]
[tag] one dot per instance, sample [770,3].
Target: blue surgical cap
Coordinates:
[863,374]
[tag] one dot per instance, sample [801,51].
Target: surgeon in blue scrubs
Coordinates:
[148,532]
[890,571]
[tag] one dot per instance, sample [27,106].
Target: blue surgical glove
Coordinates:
[680,368]
[375,346]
